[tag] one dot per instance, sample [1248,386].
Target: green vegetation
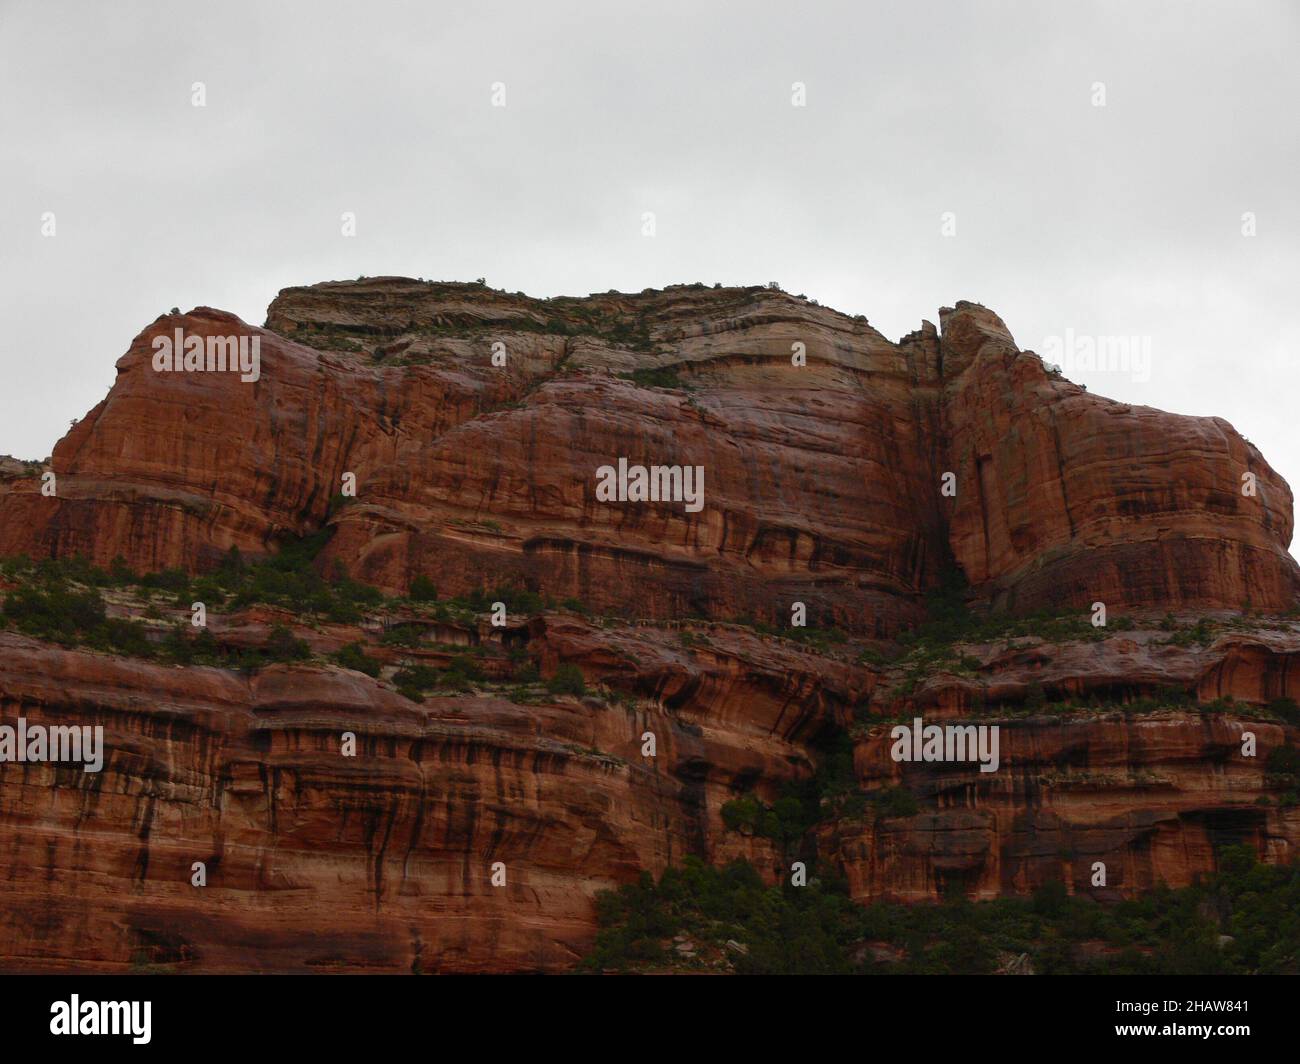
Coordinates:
[1285,710]
[461,673]
[895,802]
[659,377]
[795,931]
[817,929]
[1283,770]
[62,600]
[50,609]
[817,637]
[287,579]
[354,656]
[515,599]
[568,680]
[283,645]
[950,622]
[422,590]
[832,792]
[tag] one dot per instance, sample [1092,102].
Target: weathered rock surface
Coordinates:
[823,485]
[822,481]
[383,861]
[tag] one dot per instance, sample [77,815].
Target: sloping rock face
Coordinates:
[471,831]
[382,861]
[1076,498]
[1149,796]
[823,482]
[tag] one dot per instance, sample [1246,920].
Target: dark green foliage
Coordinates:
[175,580]
[872,656]
[414,680]
[282,645]
[568,680]
[525,672]
[55,611]
[515,600]
[461,673]
[422,590]
[290,579]
[51,607]
[895,802]
[1200,633]
[785,930]
[1283,760]
[950,620]
[660,377]
[815,928]
[831,792]
[401,635]
[120,574]
[785,821]
[354,656]
[1285,709]
[815,636]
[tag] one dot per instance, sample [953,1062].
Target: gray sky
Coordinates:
[1115,220]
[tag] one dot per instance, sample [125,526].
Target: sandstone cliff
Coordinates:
[824,485]
[823,480]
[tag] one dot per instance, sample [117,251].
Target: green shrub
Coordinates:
[414,680]
[895,802]
[354,656]
[661,377]
[527,672]
[817,928]
[283,645]
[1285,709]
[401,635]
[1283,761]
[568,680]
[422,590]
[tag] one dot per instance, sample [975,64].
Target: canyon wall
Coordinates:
[823,481]
[825,449]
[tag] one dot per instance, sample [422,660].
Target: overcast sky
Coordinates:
[1124,219]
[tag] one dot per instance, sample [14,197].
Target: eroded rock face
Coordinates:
[382,861]
[823,482]
[823,485]
[1078,498]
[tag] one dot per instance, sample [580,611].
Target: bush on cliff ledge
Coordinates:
[1244,919]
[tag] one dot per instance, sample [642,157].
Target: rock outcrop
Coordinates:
[826,451]
[823,481]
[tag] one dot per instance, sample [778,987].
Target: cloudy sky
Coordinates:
[1096,165]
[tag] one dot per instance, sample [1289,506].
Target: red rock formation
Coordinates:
[823,485]
[382,861]
[1068,497]
[1149,793]
[822,481]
